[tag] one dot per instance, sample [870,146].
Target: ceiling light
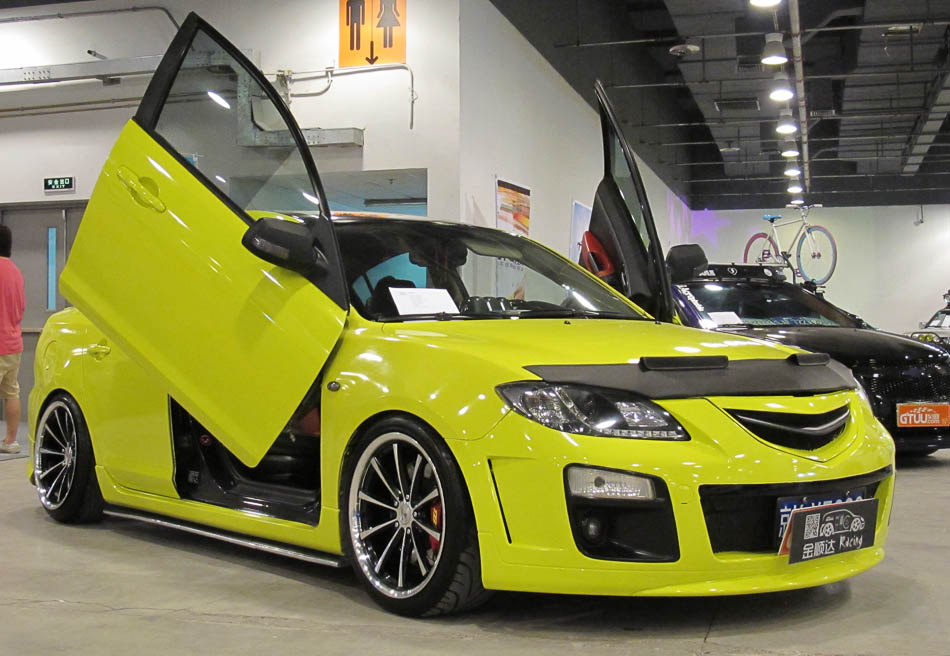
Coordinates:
[682,49]
[795,187]
[781,90]
[797,201]
[764,3]
[774,52]
[786,125]
[904,29]
[792,170]
[789,148]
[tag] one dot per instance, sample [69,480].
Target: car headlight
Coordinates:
[926,337]
[591,411]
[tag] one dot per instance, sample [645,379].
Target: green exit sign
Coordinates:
[63,183]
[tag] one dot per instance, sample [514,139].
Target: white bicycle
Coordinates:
[816,253]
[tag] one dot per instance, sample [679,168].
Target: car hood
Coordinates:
[525,342]
[852,346]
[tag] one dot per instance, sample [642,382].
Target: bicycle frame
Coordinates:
[801,233]
[804,242]
[802,228]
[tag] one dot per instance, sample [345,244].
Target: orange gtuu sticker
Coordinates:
[915,415]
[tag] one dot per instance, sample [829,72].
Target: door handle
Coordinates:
[141,189]
[99,351]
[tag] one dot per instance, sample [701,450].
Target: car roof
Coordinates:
[740,273]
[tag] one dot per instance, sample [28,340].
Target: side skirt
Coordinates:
[298,553]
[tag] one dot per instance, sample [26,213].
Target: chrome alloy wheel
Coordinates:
[54,455]
[396,517]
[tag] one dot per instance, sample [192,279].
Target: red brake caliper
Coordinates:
[435,514]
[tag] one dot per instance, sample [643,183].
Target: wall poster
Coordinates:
[512,214]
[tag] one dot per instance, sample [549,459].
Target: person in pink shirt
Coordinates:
[12,303]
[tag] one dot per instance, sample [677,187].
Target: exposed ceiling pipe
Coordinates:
[67,105]
[758,162]
[763,78]
[933,116]
[675,38]
[65,110]
[795,21]
[828,192]
[92,12]
[329,73]
[824,176]
[872,117]
[875,137]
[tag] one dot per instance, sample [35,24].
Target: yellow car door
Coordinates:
[159,266]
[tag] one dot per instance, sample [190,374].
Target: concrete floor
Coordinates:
[120,587]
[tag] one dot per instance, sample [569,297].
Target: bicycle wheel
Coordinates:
[817,255]
[761,249]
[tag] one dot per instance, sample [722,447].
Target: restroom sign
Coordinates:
[372,32]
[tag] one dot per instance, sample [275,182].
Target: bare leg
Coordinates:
[12,413]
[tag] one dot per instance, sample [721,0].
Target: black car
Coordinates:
[907,381]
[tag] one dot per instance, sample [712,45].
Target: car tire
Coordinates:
[916,453]
[64,463]
[826,530]
[406,522]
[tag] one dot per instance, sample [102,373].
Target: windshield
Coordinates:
[940,320]
[403,270]
[754,304]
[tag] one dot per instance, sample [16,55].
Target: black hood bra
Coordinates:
[675,377]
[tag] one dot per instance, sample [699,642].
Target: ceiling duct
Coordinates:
[749,64]
[736,105]
[929,123]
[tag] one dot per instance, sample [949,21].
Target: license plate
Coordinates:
[923,415]
[787,505]
[828,530]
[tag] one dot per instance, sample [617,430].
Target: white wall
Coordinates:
[890,272]
[290,34]
[521,121]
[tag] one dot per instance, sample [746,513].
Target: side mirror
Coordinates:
[922,324]
[287,244]
[685,262]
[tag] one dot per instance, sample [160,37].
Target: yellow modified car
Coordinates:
[448,409]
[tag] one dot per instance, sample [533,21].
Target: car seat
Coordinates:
[380,302]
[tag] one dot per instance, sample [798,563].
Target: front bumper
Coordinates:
[515,477]
[909,440]
[889,385]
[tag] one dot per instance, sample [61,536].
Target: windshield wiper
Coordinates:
[442,316]
[557,313]
[549,313]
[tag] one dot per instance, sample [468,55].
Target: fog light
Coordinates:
[595,483]
[593,528]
